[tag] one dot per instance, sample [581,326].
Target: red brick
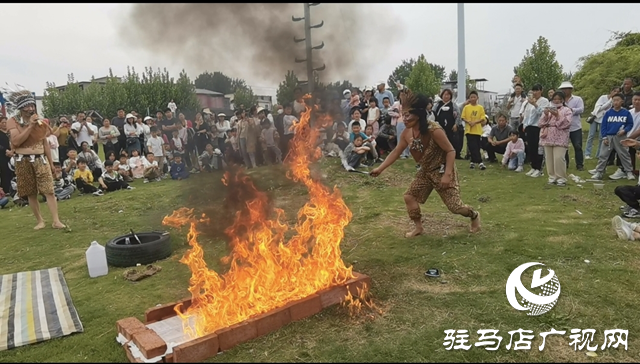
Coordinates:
[272,320]
[359,282]
[236,334]
[332,295]
[159,313]
[196,350]
[130,356]
[305,307]
[129,326]
[149,343]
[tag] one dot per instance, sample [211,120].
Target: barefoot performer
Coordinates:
[34,166]
[430,147]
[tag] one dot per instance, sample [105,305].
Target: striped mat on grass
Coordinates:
[34,307]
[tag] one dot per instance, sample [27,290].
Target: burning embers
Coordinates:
[266,271]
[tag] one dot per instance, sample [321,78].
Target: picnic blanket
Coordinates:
[34,307]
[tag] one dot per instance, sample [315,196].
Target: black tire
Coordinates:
[155,246]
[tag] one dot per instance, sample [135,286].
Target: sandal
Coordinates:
[433,273]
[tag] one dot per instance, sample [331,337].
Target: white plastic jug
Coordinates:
[97,260]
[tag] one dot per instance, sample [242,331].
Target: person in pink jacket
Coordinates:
[554,137]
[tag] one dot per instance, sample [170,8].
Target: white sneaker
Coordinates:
[587,157]
[630,176]
[592,171]
[622,228]
[536,173]
[98,193]
[519,169]
[551,181]
[130,188]
[617,175]
[597,176]
[145,181]
[530,172]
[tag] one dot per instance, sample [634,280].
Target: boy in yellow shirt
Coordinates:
[84,178]
[473,116]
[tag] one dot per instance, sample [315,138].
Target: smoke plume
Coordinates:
[255,41]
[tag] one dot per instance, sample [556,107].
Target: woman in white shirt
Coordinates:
[222,127]
[132,131]
[602,105]
[355,118]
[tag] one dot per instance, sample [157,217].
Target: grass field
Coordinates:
[524,220]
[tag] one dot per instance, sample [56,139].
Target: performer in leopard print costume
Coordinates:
[434,153]
[33,163]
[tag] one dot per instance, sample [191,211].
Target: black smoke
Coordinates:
[251,40]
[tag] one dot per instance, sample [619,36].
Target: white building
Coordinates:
[265,101]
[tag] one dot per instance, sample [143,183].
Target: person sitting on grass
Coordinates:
[514,153]
[136,163]
[123,168]
[62,186]
[111,180]
[70,164]
[341,138]
[94,163]
[4,200]
[371,140]
[625,230]
[386,139]
[498,138]
[151,170]
[211,159]
[84,179]
[356,151]
[178,168]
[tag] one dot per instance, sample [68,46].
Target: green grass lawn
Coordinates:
[524,220]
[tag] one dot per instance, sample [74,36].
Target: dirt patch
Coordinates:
[435,224]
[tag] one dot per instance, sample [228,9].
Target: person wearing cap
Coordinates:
[532,110]
[34,167]
[222,126]
[345,105]
[576,105]
[381,93]
[132,131]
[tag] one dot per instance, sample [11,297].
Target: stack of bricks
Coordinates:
[152,345]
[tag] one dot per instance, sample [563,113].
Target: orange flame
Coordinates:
[266,272]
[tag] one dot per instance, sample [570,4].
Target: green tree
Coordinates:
[244,96]
[423,79]
[185,92]
[284,94]
[403,71]
[216,81]
[539,65]
[599,72]
[52,101]
[453,77]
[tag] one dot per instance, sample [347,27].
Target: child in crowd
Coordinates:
[514,154]
[176,143]
[232,149]
[386,139]
[155,145]
[62,186]
[178,168]
[53,146]
[151,170]
[386,107]
[168,158]
[270,140]
[84,179]
[373,115]
[123,168]
[111,180]
[473,116]
[484,139]
[371,139]
[136,163]
[111,156]
[4,200]
[70,164]
[356,151]
[355,131]
[342,138]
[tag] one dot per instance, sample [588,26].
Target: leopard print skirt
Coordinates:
[33,178]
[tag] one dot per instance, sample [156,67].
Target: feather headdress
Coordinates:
[408,99]
[17,98]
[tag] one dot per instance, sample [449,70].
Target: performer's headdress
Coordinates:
[17,98]
[415,104]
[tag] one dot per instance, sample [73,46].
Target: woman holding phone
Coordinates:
[554,137]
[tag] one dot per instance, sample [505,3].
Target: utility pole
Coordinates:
[309,47]
[462,73]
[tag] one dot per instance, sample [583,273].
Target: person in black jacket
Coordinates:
[446,113]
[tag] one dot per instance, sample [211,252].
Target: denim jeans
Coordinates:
[4,201]
[516,161]
[576,140]
[593,134]
[400,128]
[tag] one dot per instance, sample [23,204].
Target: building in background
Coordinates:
[215,101]
[84,84]
[265,102]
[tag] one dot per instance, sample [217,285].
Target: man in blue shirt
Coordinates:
[381,93]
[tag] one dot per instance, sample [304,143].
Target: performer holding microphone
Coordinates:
[33,163]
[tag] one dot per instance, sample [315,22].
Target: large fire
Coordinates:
[265,271]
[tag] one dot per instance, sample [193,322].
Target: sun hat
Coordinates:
[222,114]
[345,92]
[565,84]
[129,115]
